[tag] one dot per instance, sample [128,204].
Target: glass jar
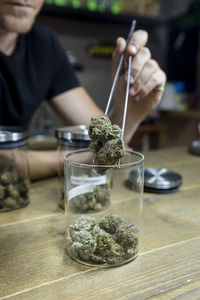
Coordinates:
[69,138]
[103,208]
[14,175]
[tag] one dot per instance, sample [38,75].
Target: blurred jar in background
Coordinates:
[14,173]
[69,138]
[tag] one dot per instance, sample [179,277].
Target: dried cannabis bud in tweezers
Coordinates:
[107,241]
[107,141]
[13,187]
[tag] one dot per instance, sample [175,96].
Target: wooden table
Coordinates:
[34,264]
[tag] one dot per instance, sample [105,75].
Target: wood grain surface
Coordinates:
[34,264]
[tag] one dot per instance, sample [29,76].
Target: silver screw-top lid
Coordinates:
[12,134]
[79,132]
[161,178]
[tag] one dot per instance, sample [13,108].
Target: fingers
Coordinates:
[139,61]
[138,40]
[151,80]
[146,75]
[141,74]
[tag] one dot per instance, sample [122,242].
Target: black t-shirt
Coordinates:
[38,69]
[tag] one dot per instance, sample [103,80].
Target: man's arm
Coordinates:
[42,164]
[147,85]
[75,107]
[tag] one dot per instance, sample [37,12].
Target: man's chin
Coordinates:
[19,26]
[23,30]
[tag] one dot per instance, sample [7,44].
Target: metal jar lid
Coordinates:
[161,178]
[156,180]
[12,134]
[194,147]
[79,132]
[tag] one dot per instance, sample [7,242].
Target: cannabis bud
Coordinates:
[13,187]
[107,141]
[95,200]
[109,240]
[110,223]
[126,234]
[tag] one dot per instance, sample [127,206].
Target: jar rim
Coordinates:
[122,165]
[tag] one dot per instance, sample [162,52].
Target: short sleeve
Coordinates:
[63,77]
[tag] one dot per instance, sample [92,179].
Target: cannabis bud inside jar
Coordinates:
[95,195]
[14,179]
[109,240]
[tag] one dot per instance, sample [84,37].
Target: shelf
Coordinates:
[189,114]
[94,16]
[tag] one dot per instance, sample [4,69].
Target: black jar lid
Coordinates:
[12,134]
[79,132]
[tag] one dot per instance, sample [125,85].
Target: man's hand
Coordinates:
[146,84]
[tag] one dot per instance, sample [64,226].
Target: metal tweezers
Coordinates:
[132,29]
[128,79]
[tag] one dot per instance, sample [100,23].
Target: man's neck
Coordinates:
[8,42]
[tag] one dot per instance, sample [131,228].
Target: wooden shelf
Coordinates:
[190,114]
[96,16]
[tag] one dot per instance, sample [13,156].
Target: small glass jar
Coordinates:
[14,175]
[69,138]
[103,208]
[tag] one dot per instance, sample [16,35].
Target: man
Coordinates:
[34,67]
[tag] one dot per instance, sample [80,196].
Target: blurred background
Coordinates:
[87,29]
